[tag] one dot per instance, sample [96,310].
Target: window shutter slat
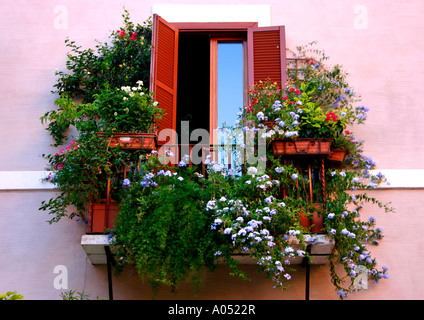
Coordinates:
[163,70]
[266,54]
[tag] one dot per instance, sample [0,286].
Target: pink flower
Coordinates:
[133,36]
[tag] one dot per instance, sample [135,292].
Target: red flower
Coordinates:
[331,115]
[285,98]
[133,36]
[297,91]
[291,89]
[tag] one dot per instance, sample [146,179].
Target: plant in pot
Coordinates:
[127,116]
[320,104]
[101,92]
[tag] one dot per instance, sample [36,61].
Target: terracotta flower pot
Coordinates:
[133,141]
[301,147]
[337,155]
[314,224]
[100,220]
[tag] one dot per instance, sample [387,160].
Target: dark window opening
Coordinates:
[193,81]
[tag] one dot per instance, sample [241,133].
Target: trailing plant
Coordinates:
[162,227]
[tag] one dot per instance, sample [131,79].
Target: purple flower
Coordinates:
[126,183]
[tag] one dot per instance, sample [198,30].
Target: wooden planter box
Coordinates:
[133,141]
[99,220]
[337,155]
[301,147]
[314,224]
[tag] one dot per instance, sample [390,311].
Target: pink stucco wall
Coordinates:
[377,41]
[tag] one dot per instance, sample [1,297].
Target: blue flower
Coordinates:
[126,183]
[341,293]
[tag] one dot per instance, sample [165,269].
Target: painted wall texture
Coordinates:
[377,41]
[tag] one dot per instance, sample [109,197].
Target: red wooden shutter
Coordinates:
[266,54]
[163,70]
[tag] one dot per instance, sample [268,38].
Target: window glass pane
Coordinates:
[230,82]
[230,100]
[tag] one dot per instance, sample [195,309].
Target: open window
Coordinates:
[186,62]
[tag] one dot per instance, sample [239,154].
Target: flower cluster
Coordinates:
[60,157]
[255,222]
[126,109]
[122,34]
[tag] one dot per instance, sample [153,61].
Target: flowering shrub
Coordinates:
[126,109]
[121,62]
[317,102]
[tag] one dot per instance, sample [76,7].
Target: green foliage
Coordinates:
[11,295]
[81,172]
[99,73]
[162,226]
[74,295]
[110,83]
[121,62]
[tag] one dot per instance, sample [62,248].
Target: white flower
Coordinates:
[240,219]
[269,199]
[228,231]
[279,169]
[252,170]
[180,178]
[260,115]
[294,176]
[218,221]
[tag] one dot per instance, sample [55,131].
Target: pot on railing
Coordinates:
[133,141]
[299,147]
[337,155]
